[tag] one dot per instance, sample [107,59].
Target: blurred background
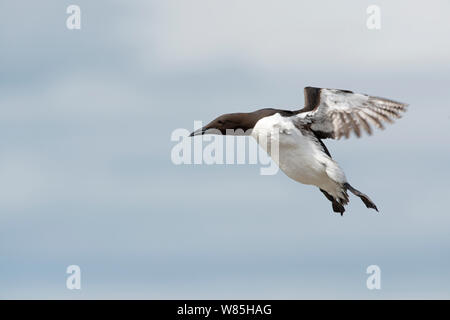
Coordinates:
[86,176]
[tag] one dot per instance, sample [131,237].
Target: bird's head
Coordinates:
[230,123]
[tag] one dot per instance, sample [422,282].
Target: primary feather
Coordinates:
[333,113]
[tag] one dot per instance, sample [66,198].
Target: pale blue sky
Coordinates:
[85,170]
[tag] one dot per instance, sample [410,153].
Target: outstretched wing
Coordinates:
[333,113]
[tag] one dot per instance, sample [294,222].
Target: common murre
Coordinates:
[328,113]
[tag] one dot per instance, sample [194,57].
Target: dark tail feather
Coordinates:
[365,198]
[337,207]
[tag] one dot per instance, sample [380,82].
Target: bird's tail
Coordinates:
[338,204]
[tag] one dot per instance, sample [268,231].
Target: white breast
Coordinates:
[299,156]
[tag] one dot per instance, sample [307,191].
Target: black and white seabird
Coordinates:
[328,113]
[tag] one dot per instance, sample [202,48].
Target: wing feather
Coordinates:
[333,113]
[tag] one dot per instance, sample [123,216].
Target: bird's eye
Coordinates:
[220,122]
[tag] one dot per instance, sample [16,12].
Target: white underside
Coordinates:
[299,157]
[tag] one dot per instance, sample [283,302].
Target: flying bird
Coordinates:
[302,155]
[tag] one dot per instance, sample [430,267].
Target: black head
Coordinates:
[236,123]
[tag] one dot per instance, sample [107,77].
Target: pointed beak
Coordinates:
[198,132]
